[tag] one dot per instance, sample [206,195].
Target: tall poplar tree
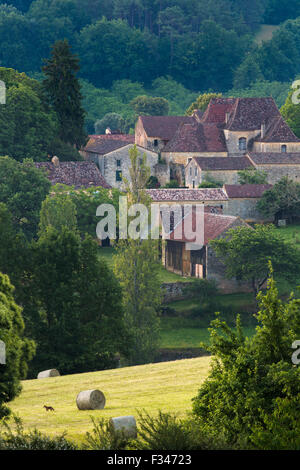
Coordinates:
[62,89]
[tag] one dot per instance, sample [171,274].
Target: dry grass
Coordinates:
[168,386]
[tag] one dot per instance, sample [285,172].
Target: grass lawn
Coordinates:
[167,386]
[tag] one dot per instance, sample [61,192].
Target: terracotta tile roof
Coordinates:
[248,114]
[223,163]
[217,109]
[280,158]
[203,194]
[163,127]
[278,131]
[197,137]
[214,226]
[246,191]
[102,144]
[78,174]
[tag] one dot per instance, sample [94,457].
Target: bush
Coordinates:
[172,184]
[168,432]
[153,183]
[102,437]
[18,439]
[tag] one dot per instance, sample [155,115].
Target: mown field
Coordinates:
[167,386]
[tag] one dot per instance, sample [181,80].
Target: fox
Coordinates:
[48,408]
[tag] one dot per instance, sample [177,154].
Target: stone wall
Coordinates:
[276,172]
[275,147]
[162,173]
[232,140]
[244,208]
[173,291]
[108,164]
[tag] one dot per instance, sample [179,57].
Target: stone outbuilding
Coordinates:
[242,201]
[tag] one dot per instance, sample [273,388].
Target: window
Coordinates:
[191,171]
[283,148]
[196,171]
[242,144]
[118,163]
[193,184]
[118,175]
[141,161]
[155,142]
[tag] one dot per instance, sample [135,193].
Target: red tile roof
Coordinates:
[102,144]
[223,163]
[78,174]
[217,109]
[248,114]
[278,131]
[214,226]
[163,127]
[182,194]
[246,191]
[197,137]
[268,158]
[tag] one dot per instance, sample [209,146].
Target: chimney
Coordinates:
[55,161]
[263,130]
[227,117]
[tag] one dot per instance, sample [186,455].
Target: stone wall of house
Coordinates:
[224,176]
[184,157]
[244,208]
[232,140]
[276,172]
[276,147]
[162,173]
[108,164]
[151,143]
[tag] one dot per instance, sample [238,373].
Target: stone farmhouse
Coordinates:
[177,255]
[249,131]
[111,154]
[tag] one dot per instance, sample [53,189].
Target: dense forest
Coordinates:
[174,49]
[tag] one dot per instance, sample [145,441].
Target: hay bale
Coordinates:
[125,425]
[90,400]
[48,373]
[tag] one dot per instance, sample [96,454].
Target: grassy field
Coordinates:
[168,386]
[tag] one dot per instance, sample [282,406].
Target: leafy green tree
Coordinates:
[278,11]
[247,73]
[62,88]
[291,112]
[252,379]
[58,211]
[150,106]
[282,200]
[112,120]
[237,248]
[252,176]
[23,188]
[137,267]
[72,305]
[19,350]
[27,126]
[202,102]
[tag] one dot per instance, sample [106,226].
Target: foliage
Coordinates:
[172,184]
[23,188]
[202,102]
[72,304]
[18,439]
[290,112]
[208,183]
[150,106]
[58,211]
[168,432]
[103,437]
[153,183]
[236,252]
[252,176]
[137,267]
[204,290]
[62,89]
[249,377]
[19,350]
[262,88]
[112,120]
[282,200]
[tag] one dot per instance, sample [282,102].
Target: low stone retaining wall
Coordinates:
[174,291]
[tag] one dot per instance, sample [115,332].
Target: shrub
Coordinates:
[102,437]
[18,439]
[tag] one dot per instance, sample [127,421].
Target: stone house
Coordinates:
[99,145]
[202,262]
[224,170]
[242,201]
[213,198]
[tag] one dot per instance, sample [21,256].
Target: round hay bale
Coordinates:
[125,425]
[48,373]
[90,400]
